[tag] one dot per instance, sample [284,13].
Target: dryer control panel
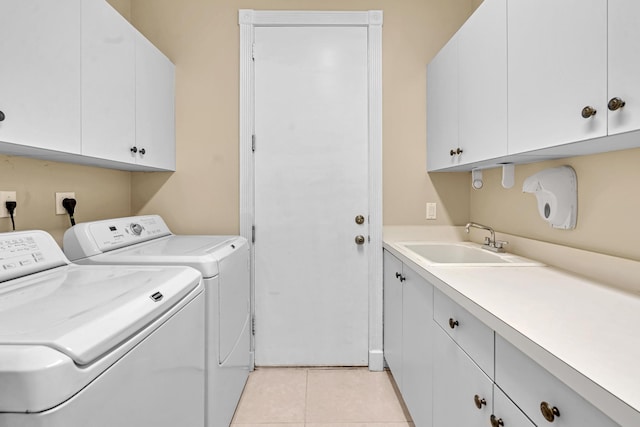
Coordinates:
[96,237]
[28,252]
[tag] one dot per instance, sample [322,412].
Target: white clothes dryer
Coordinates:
[224,264]
[97,346]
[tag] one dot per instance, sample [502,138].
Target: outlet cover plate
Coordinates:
[7,196]
[60,210]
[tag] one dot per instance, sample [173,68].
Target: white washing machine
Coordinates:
[224,264]
[97,346]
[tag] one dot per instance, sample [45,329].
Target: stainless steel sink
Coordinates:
[459,253]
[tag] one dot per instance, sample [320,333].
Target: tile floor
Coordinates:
[320,397]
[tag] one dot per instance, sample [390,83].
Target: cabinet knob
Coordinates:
[143,151]
[134,149]
[2,116]
[496,422]
[588,112]
[479,401]
[360,239]
[458,151]
[548,412]
[401,277]
[615,104]
[453,323]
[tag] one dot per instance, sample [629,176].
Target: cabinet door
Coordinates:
[507,411]
[557,65]
[108,77]
[40,74]
[624,64]
[155,107]
[417,349]
[442,108]
[456,382]
[393,316]
[530,385]
[482,59]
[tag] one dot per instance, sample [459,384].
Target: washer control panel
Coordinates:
[28,252]
[117,233]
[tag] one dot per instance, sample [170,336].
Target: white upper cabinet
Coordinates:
[79,84]
[467,92]
[155,111]
[442,108]
[482,82]
[624,65]
[557,58]
[40,75]
[108,83]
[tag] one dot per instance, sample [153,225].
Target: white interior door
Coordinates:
[311,181]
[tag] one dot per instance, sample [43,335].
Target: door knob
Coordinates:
[134,149]
[360,239]
[453,323]
[615,104]
[588,112]
[359,219]
[143,151]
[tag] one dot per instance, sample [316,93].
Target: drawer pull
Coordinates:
[496,422]
[549,413]
[453,323]
[479,401]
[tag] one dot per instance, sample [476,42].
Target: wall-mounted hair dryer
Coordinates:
[557,192]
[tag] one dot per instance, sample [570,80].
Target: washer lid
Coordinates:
[200,252]
[86,311]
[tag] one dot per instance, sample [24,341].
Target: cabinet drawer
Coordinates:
[473,336]
[529,385]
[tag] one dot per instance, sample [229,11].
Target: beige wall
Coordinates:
[202,39]
[608,204]
[101,193]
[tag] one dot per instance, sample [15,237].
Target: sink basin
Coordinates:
[449,253]
[459,253]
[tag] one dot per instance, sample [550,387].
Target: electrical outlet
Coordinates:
[7,196]
[431,211]
[60,210]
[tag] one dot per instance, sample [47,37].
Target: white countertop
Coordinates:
[582,332]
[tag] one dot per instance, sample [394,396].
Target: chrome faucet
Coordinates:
[490,243]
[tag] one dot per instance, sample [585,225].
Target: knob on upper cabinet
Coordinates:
[134,149]
[496,422]
[588,112]
[143,151]
[2,116]
[453,323]
[615,104]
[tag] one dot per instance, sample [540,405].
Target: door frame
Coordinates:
[248,19]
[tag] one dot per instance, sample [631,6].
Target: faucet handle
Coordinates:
[500,244]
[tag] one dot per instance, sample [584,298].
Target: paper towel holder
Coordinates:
[556,190]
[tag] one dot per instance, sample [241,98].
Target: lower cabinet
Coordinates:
[454,371]
[462,392]
[543,397]
[408,330]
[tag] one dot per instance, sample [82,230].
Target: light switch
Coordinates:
[431,211]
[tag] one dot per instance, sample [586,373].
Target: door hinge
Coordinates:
[253,143]
[253,325]
[253,234]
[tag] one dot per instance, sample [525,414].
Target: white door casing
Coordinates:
[363,29]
